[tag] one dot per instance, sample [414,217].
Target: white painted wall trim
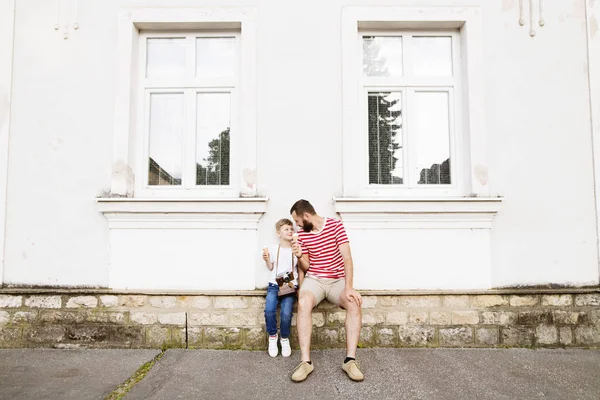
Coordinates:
[183,213]
[432,213]
[593,43]
[183,244]
[469,20]
[7,32]
[125,127]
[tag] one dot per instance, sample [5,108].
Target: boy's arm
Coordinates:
[267,258]
[269,265]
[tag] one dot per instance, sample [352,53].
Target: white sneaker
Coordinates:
[273,349]
[286,350]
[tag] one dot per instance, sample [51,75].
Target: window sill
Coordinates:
[178,213]
[394,213]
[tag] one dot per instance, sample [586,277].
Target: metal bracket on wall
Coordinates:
[541,21]
[67,10]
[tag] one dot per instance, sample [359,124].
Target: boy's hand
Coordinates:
[266,254]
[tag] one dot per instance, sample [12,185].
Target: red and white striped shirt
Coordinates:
[323,249]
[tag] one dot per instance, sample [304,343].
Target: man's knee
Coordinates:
[306,302]
[350,306]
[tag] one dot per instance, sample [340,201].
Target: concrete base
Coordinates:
[66,374]
[389,374]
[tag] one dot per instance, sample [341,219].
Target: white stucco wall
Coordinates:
[59,144]
[537,125]
[538,120]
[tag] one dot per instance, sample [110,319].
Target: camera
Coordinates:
[285,277]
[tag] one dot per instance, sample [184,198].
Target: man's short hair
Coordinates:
[282,222]
[301,207]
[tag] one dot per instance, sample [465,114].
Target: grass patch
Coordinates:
[137,376]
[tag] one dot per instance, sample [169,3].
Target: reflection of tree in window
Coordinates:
[384,125]
[384,119]
[158,176]
[437,174]
[215,168]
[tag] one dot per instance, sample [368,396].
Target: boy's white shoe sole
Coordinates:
[273,349]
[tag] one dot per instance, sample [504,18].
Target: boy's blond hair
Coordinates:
[282,222]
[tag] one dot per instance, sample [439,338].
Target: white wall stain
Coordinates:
[508,5]
[249,177]
[4,107]
[481,174]
[593,27]
[123,179]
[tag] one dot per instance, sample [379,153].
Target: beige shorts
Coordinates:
[330,289]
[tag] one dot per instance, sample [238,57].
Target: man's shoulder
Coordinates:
[334,222]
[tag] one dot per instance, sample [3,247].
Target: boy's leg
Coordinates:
[271,310]
[285,315]
[285,322]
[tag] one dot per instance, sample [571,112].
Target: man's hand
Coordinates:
[353,296]
[297,250]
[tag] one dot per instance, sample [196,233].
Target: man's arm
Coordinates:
[302,261]
[351,294]
[348,264]
[300,277]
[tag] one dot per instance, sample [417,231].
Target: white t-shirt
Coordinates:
[285,263]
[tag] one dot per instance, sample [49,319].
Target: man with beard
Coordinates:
[323,252]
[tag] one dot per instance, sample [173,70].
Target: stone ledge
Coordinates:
[235,319]
[262,292]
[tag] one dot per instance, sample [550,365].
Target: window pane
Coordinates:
[432,56]
[382,55]
[166,138]
[166,58]
[432,135]
[385,138]
[212,138]
[215,57]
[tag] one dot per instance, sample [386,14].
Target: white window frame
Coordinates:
[189,87]
[127,147]
[408,84]
[470,176]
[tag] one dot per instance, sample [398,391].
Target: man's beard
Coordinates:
[307,226]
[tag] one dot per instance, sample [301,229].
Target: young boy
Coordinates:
[281,262]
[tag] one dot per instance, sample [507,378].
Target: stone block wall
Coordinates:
[92,318]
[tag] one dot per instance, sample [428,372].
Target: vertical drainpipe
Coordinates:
[592,17]
[7,34]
